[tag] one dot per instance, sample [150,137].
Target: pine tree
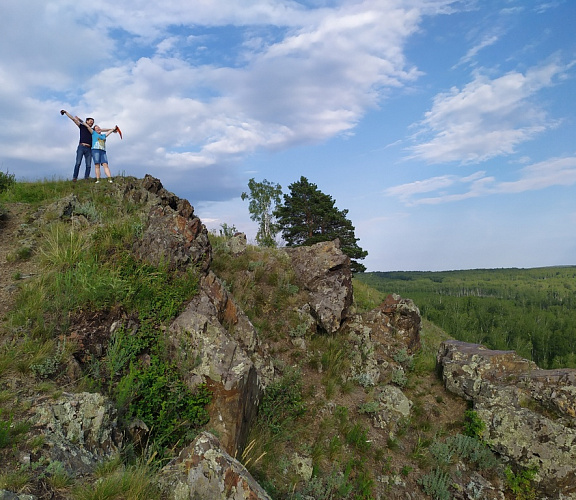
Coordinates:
[309,216]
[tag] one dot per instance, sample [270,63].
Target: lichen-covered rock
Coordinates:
[394,406]
[204,471]
[173,235]
[528,412]
[324,272]
[8,495]
[378,336]
[226,358]
[80,430]
[237,244]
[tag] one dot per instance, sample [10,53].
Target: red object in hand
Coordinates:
[117,129]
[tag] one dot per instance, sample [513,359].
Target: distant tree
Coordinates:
[264,196]
[309,216]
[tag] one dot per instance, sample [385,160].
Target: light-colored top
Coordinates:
[98,141]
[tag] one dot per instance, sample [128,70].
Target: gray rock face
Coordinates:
[204,471]
[227,360]
[324,271]
[528,412]
[378,335]
[80,430]
[393,407]
[173,234]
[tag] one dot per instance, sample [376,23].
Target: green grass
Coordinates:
[88,268]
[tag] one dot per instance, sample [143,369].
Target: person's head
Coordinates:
[98,129]
[89,122]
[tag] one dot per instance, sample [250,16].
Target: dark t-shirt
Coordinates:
[85,135]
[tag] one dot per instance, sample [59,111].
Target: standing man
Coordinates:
[84,149]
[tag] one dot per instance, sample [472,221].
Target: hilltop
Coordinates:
[116,300]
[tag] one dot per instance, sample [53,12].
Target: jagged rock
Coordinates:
[227,361]
[528,412]
[378,335]
[80,430]
[174,234]
[324,271]
[204,471]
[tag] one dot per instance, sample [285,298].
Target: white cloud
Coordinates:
[448,188]
[316,79]
[486,118]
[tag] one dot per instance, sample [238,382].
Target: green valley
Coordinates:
[530,311]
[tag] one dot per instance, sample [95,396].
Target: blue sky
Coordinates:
[446,128]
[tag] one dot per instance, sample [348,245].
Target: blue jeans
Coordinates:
[86,153]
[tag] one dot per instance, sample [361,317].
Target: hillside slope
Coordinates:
[320,432]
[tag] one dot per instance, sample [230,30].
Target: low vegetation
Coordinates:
[314,436]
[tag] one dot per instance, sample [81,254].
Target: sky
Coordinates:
[446,128]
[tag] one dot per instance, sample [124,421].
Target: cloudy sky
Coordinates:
[447,128]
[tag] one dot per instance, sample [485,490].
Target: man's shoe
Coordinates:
[97,182]
[110,181]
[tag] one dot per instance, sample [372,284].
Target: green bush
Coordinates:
[282,402]
[6,181]
[473,425]
[436,484]
[520,483]
[165,404]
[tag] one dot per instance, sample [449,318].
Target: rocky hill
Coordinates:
[142,357]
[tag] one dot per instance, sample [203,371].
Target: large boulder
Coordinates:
[204,471]
[529,413]
[324,272]
[213,342]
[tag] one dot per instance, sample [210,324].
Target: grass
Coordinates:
[313,409]
[88,269]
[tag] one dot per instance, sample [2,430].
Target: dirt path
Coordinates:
[12,271]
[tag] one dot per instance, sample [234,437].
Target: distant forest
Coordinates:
[530,311]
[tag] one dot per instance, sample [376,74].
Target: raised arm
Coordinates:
[75,119]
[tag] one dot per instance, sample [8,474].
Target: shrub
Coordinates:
[6,181]
[282,402]
[436,484]
[166,405]
[473,425]
[520,483]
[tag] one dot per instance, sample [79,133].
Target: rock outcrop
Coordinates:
[324,271]
[379,336]
[204,471]
[213,342]
[529,413]
[173,234]
[79,430]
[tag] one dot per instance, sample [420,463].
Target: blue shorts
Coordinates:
[99,156]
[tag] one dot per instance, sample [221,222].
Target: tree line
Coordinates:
[304,216]
[530,311]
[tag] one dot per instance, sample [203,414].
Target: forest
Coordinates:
[530,311]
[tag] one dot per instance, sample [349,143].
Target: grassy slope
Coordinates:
[311,412]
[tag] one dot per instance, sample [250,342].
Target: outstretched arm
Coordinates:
[75,119]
